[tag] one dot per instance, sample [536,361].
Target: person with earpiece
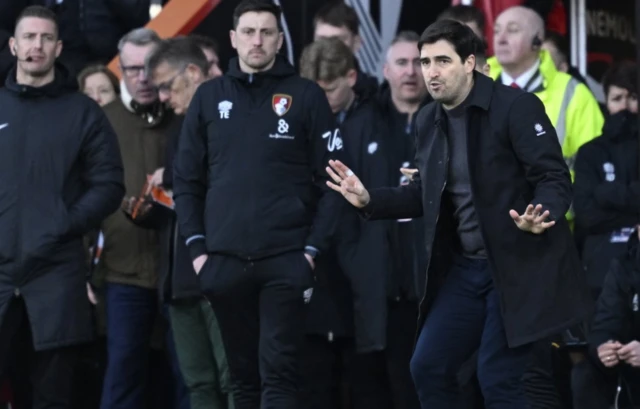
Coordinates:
[61,175]
[520,62]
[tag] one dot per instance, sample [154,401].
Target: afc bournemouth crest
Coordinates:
[281,103]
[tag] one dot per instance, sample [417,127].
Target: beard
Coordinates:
[258,64]
[40,71]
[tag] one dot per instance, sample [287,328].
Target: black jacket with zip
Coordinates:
[250,181]
[61,176]
[607,195]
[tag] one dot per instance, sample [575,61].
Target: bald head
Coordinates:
[514,32]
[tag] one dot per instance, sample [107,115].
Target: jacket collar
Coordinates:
[281,69]
[479,97]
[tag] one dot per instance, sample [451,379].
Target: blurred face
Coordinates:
[324,30]
[214,63]
[402,71]
[36,39]
[473,26]
[483,67]
[448,78]
[99,88]
[558,59]
[619,99]
[340,91]
[132,59]
[257,40]
[177,87]
[512,39]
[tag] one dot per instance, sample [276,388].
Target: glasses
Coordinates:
[132,71]
[167,86]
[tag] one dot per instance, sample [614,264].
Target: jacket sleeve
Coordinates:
[535,143]
[609,321]
[325,143]
[189,179]
[601,206]
[103,176]
[403,202]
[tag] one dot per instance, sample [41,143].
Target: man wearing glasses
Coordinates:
[177,67]
[131,254]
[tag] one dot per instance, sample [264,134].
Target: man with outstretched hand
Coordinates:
[503,271]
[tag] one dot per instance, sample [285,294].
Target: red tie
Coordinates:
[514,85]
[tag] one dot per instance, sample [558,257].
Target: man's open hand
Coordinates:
[347,183]
[533,219]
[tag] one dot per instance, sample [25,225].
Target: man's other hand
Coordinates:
[532,221]
[347,183]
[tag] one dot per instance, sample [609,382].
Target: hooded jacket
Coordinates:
[249,175]
[607,195]
[62,175]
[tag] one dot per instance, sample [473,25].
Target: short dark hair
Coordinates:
[463,39]
[326,59]
[206,42]
[621,74]
[338,14]
[258,6]
[464,14]
[560,42]
[39,12]
[178,53]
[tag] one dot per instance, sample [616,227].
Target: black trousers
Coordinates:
[325,377]
[375,380]
[40,379]
[383,379]
[260,310]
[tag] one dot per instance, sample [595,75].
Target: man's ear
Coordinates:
[58,48]
[12,45]
[352,77]
[357,43]
[232,37]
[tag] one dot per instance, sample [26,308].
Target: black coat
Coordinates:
[514,159]
[350,296]
[407,243]
[607,195]
[61,176]
[178,280]
[617,314]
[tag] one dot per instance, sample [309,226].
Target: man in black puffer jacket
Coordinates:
[61,177]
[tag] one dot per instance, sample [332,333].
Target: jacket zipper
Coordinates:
[444,185]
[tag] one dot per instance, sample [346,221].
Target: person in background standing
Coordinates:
[131,254]
[61,176]
[99,83]
[253,206]
[607,189]
[177,67]
[336,19]
[210,49]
